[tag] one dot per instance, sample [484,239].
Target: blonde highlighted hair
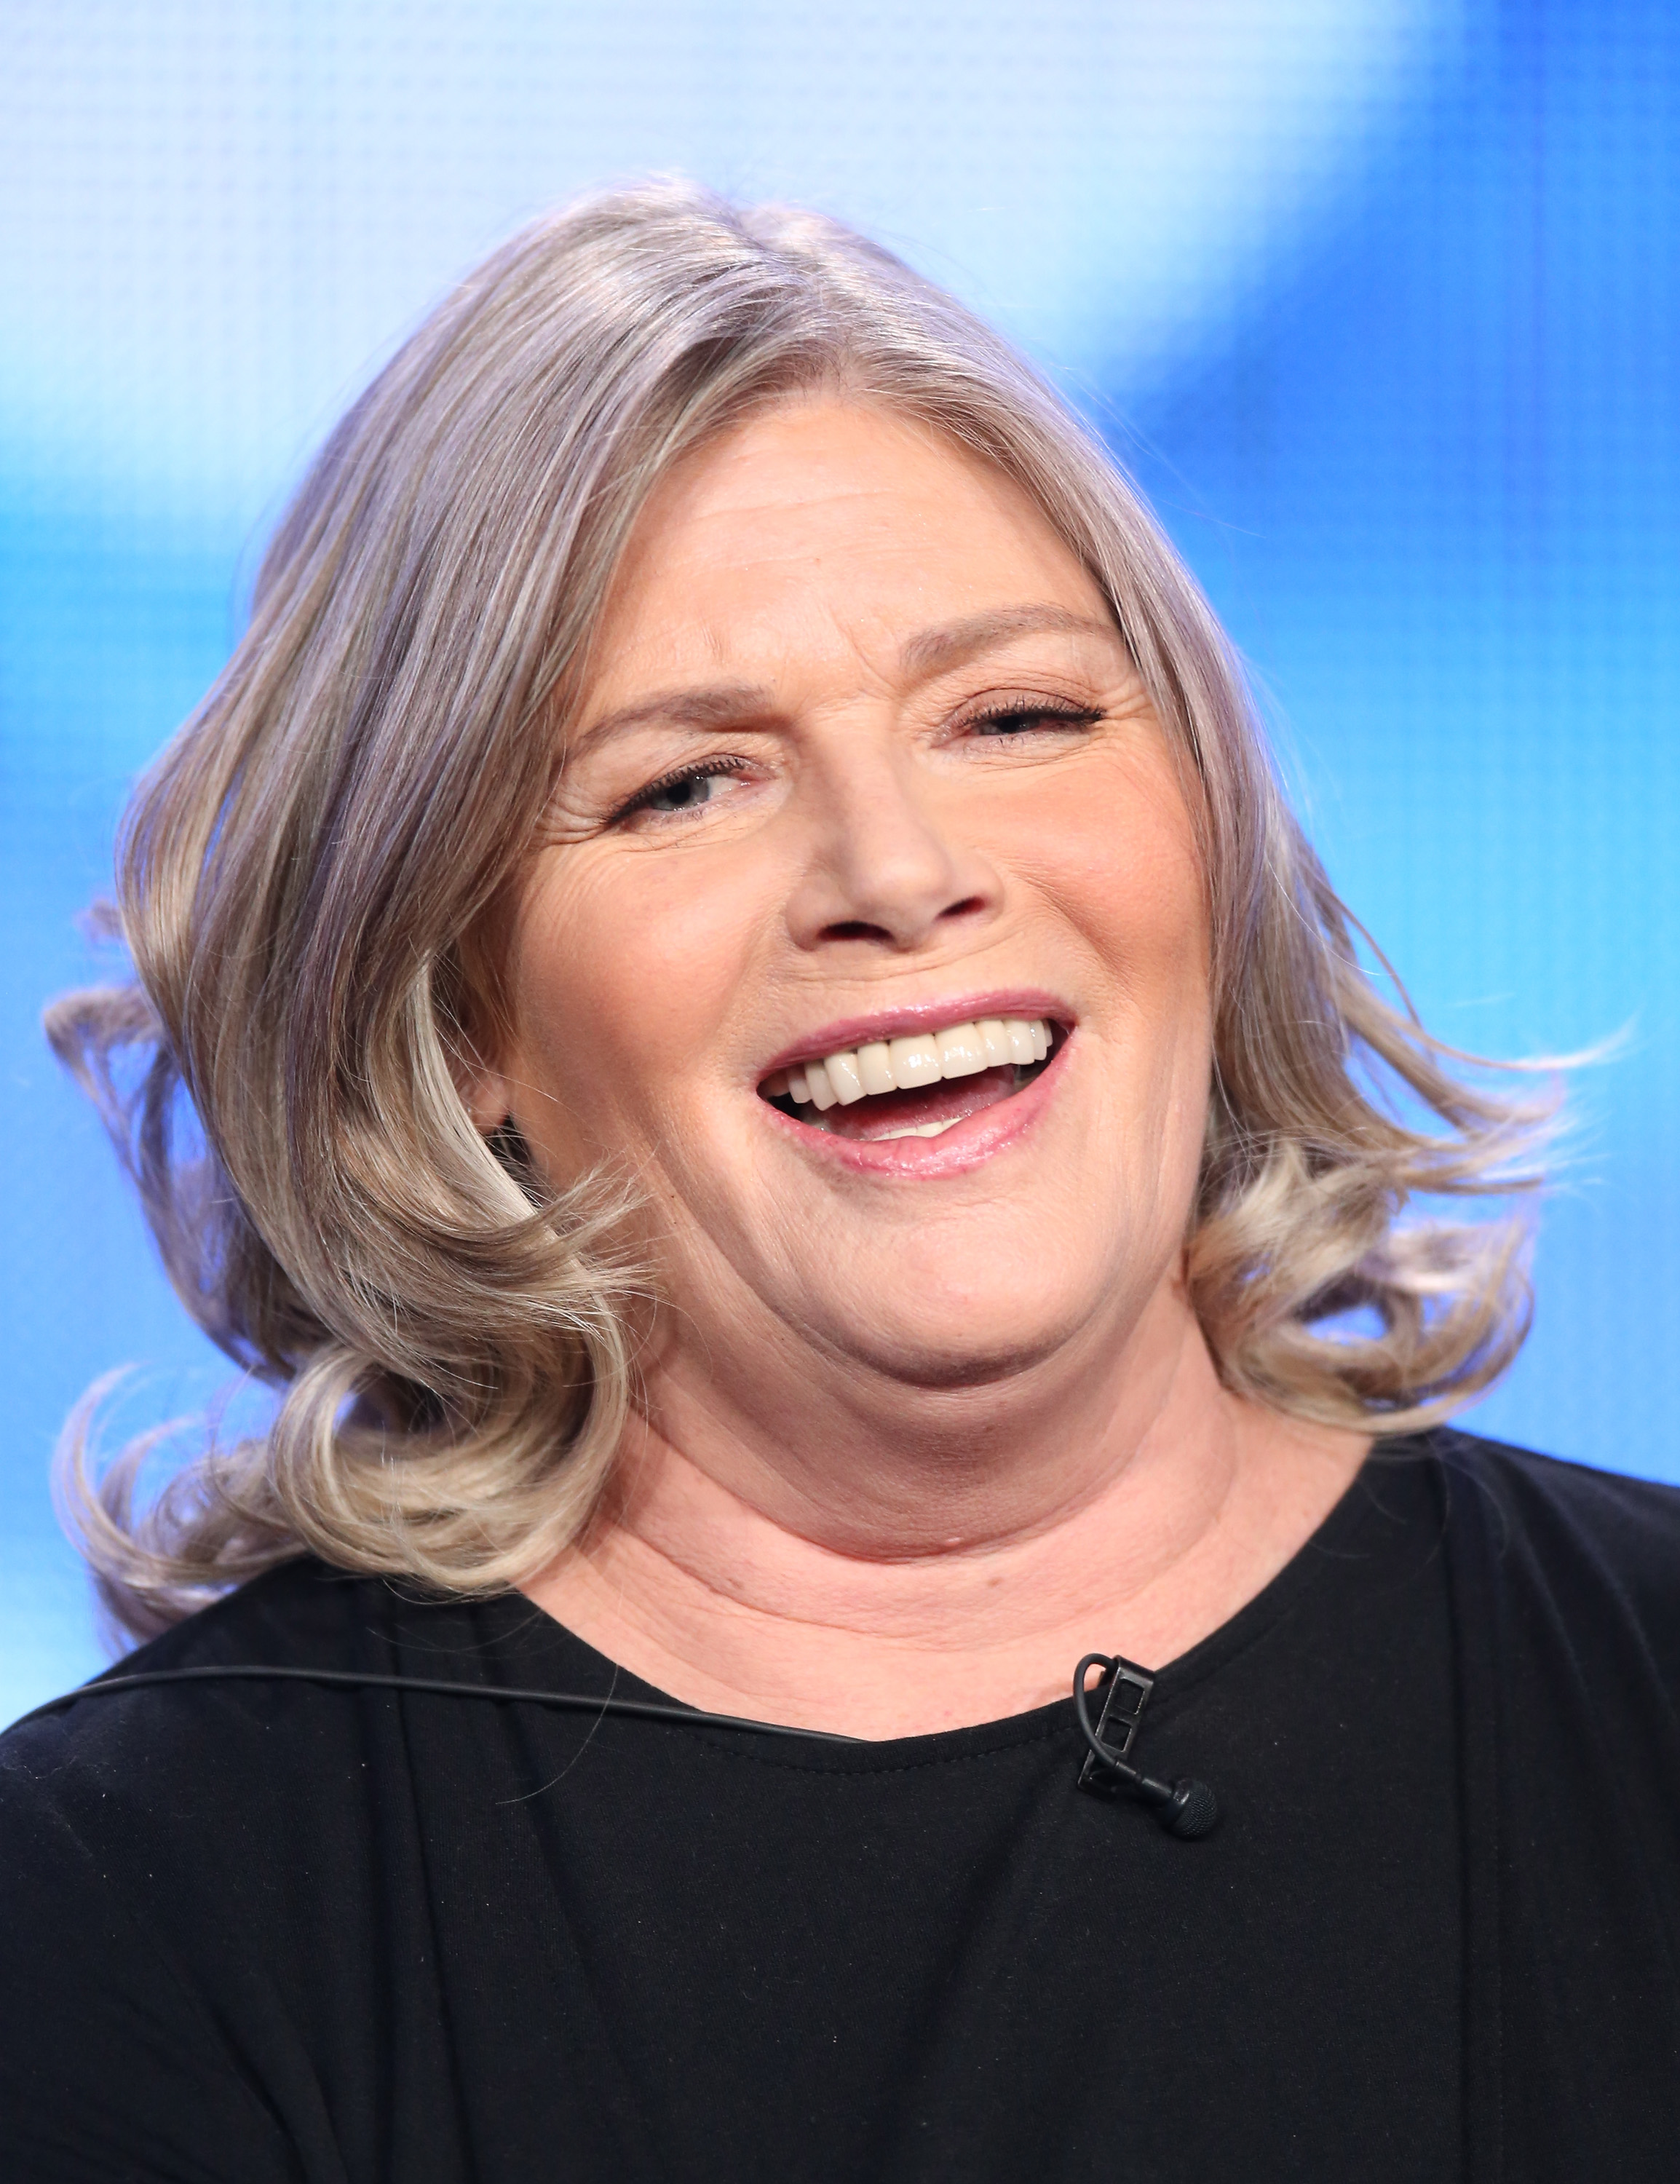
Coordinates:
[308,875]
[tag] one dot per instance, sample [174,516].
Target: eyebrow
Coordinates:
[932,650]
[718,705]
[721,706]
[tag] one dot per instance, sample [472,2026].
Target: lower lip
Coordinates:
[967,1145]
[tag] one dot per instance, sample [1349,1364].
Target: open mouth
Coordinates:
[918,1086]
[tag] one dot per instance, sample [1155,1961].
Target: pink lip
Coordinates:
[852,1032]
[967,1145]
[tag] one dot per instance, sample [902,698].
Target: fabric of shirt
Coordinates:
[255,1932]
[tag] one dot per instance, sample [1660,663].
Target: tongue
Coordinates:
[951,1101]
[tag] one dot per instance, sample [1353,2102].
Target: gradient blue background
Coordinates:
[1377,296]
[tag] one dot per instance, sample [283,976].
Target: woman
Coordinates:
[799,1135]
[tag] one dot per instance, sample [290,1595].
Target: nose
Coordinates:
[881,865]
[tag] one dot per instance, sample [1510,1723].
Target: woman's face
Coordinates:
[863,760]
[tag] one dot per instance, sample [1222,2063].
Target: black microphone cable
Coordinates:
[1186,1807]
[349,1679]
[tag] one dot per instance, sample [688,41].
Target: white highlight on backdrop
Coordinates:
[218,213]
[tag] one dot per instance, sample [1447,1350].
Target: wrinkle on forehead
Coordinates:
[746,540]
[929,652]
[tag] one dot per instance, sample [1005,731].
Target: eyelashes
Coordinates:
[1026,714]
[680,777]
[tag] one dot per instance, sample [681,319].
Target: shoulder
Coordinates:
[128,1811]
[1581,1537]
[1563,1502]
[107,1746]
[148,1953]
[1639,1516]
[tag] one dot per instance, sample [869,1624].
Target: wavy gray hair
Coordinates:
[311,876]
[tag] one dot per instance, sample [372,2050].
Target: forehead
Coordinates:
[821,526]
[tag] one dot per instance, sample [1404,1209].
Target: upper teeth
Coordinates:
[905,1065]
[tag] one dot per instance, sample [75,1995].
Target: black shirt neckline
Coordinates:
[557,1656]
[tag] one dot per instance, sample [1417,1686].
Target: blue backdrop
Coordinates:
[1378,296]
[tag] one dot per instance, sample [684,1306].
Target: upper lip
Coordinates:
[848,1033]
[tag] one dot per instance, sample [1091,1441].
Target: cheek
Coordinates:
[1126,872]
[627,970]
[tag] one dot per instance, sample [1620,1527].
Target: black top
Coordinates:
[260,1932]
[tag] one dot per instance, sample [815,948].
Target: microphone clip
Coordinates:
[1186,1807]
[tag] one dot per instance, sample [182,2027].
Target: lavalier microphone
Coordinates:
[1186,1807]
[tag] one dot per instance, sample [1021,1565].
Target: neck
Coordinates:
[818,1548]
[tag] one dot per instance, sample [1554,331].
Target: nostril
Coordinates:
[856,928]
[861,928]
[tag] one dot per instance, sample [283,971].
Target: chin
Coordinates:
[971,1341]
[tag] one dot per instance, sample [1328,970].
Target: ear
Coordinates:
[489,1098]
[480,1032]
[479,1064]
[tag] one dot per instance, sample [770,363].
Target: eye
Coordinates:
[688,789]
[1026,717]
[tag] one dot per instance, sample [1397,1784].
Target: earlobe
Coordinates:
[488,1097]
[481,1029]
[487,1091]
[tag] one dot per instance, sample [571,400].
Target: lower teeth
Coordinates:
[816,1119]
